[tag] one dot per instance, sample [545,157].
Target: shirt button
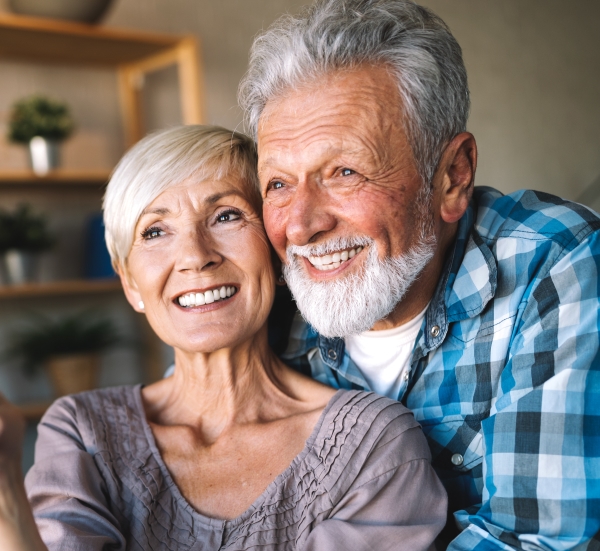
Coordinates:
[435,330]
[332,354]
[457,459]
[406,376]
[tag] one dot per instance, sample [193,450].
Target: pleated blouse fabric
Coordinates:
[362,482]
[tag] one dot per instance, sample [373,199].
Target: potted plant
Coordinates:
[68,348]
[41,123]
[23,237]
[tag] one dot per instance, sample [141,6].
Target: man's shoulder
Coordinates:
[532,215]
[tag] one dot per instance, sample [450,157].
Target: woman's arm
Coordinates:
[18,531]
[401,510]
[68,494]
[396,502]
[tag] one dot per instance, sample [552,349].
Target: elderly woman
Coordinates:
[235,450]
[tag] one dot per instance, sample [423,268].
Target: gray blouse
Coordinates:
[363,481]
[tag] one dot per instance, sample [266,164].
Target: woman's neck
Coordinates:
[238,385]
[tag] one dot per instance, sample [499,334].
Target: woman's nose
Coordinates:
[197,253]
[307,215]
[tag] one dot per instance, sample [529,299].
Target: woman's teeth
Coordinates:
[333,261]
[208,297]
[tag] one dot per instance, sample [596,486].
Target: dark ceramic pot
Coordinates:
[84,11]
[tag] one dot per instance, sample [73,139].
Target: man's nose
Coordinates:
[308,215]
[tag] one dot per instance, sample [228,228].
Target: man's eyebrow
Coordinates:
[328,150]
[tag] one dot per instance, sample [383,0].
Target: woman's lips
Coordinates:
[192,299]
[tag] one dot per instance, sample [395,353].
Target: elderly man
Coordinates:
[477,310]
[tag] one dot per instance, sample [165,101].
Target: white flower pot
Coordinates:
[43,155]
[21,266]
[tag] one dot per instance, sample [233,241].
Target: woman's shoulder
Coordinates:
[91,417]
[365,413]
[360,430]
[93,401]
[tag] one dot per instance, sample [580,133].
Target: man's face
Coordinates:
[338,177]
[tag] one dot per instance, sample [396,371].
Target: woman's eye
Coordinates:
[228,216]
[152,233]
[347,172]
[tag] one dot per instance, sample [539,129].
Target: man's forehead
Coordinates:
[349,92]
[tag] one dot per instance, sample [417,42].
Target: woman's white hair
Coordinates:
[334,35]
[164,159]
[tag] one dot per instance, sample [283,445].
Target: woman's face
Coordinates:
[195,243]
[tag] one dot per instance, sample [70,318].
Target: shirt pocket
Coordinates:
[467,331]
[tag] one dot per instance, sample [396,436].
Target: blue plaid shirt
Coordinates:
[505,374]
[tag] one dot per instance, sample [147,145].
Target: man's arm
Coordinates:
[541,462]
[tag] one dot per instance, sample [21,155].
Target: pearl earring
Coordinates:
[141,304]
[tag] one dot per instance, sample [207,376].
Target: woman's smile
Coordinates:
[214,295]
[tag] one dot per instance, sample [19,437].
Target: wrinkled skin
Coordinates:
[335,160]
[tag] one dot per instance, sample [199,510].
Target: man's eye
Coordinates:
[347,172]
[228,216]
[152,233]
[276,185]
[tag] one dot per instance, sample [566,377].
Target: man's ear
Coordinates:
[456,176]
[130,288]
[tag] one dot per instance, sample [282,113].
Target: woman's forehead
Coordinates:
[199,193]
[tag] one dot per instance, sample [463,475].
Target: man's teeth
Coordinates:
[333,261]
[208,297]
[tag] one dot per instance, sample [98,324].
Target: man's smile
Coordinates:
[334,260]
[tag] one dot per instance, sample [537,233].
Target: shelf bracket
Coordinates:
[186,56]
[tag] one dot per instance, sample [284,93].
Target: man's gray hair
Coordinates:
[333,35]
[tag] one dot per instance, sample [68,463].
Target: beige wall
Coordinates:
[534,69]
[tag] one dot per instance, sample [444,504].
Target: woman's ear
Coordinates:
[131,291]
[457,174]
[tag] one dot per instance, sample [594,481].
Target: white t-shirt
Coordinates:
[383,356]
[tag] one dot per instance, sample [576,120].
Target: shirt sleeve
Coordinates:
[541,458]
[391,505]
[66,490]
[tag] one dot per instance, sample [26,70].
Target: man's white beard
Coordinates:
[353,303]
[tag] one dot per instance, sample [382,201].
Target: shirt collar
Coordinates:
[468,283]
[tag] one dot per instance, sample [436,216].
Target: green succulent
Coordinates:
[44,337]
[25,231]
[39,116]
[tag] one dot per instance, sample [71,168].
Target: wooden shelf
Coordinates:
[133,54]
[51,40]
[58,288]
[92,179]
